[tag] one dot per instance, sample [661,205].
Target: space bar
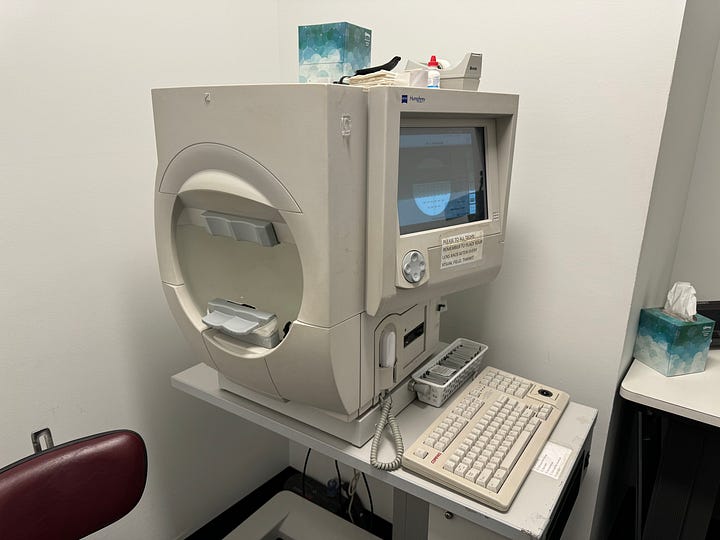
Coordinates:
[516,450]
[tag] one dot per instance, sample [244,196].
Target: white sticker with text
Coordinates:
[461,249]
[552,460]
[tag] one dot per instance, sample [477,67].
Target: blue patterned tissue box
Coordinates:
[670,345]
[328,51]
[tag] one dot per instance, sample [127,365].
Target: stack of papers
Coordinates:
[414,77]
[379,78]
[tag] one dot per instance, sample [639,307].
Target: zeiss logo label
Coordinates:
[417,99]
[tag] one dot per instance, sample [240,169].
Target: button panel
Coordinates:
[413,266]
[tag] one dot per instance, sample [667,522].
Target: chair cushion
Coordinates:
[73,489]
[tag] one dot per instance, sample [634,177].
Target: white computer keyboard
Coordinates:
[487,440]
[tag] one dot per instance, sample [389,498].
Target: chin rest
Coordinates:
[74,489]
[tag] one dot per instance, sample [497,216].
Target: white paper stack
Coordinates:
[415,77]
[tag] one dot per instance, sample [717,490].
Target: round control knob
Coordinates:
[413,266]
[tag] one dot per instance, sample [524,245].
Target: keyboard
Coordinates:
[487,439]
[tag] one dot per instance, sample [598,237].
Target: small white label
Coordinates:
[461,249]
[552,460]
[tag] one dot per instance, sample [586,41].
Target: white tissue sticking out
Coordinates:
[681,301]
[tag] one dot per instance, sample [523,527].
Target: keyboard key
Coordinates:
[422,454]
[483,477]
[516,450]
[461,469]
[494,485]
[500,474]
[472,475]
[450,465]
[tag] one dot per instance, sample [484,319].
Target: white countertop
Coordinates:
[692,396]
[529,514]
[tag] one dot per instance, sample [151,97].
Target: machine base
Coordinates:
[357,432]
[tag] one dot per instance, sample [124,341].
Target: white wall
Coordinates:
[698,258]
[88,342]
[675,162]
[593,79]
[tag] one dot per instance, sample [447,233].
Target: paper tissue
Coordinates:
[674,340]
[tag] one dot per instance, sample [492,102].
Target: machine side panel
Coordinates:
[347,194]
[319,366]
[250,371]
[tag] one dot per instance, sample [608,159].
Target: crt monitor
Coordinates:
[438,177]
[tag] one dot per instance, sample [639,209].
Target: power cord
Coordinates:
[350,491]
[339,480]
[303,473]
[352,487]
[387,419]
[372,507]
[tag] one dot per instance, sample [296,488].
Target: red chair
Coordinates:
[74,489]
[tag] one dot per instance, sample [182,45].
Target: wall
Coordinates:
[88,342]
[698,258]
[593,79]
[676,160]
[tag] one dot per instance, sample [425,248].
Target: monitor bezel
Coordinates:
[386,287]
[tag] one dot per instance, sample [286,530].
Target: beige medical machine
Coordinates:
[306,234]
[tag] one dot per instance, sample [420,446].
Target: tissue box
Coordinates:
[670,345]
[329,51]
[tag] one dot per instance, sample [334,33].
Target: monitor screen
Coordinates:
[441,177]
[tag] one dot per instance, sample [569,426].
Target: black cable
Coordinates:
[372,508]
[337,470]
[303,474]
[389,66]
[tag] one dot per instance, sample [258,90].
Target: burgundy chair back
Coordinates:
[72,490]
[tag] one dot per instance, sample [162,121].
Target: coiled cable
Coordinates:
[387,419]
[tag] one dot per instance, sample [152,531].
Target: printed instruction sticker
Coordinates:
[552,460]
[461,249]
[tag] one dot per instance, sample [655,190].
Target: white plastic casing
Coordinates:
[308,158]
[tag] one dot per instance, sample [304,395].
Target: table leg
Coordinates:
[410,517]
